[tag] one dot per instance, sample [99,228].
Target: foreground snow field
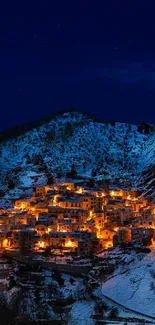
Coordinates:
[81,313]
[133,285]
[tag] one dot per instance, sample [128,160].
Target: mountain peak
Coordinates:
[117,152]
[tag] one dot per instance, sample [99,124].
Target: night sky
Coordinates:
[96,56]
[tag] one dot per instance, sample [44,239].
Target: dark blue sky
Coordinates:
[97,56]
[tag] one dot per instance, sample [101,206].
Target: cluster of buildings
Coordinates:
[70,218]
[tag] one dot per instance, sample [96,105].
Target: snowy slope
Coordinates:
[147,168]
[111,150]
[134,284]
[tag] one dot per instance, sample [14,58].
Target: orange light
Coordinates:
[99,235]
[55,200]
[108,244]
[41,244]
[69,244]
[79,190]
[5,242]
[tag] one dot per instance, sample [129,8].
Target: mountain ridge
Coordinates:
[16,130]
[111,151]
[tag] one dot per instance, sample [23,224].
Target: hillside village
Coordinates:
[71,218]
[77,212]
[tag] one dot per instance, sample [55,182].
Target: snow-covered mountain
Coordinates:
[73,140]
